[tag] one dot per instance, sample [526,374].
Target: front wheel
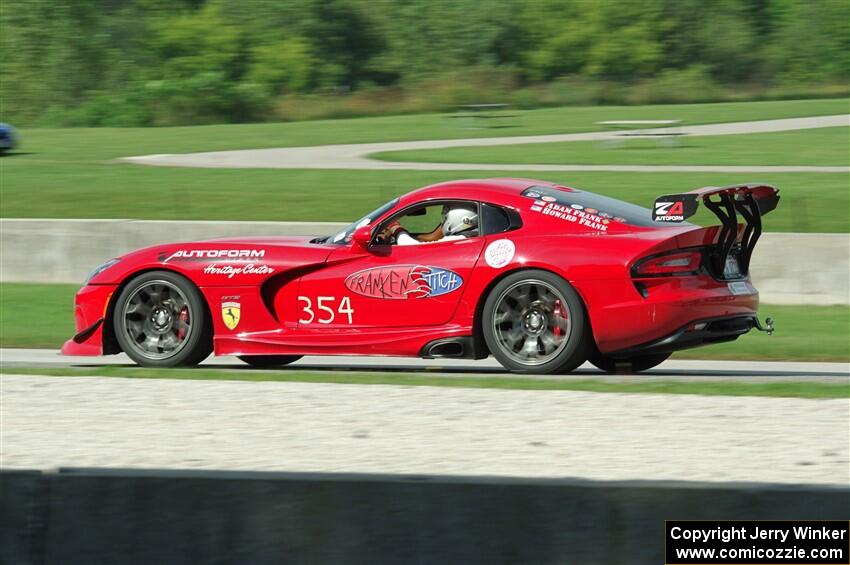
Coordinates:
[626,366]
[160,320]
[534,322]
[269,361]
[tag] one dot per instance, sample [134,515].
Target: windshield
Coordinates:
[343,237]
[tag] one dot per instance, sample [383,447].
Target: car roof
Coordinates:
[588,212]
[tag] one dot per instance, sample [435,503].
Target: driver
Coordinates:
[459,222]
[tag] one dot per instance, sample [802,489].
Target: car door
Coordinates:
[388,285]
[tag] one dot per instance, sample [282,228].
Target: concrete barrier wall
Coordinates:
[65,251]
[129,517]
[787,268]
[802,268]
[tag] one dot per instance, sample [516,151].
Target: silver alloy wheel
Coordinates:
[157,320]
[531,322]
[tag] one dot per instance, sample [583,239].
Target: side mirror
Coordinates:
[362,236]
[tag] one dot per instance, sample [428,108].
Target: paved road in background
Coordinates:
[674,369]
[355,156]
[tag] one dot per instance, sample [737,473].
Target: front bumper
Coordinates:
[91,305]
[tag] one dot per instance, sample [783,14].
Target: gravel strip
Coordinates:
[48,422]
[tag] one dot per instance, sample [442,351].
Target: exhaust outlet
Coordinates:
[461,347]
[446,349]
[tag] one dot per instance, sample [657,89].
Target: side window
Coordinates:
[423,220]
[426,223]
[495,219]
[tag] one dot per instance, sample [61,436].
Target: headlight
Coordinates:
[99,269]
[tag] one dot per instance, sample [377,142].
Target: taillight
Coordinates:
[675,263]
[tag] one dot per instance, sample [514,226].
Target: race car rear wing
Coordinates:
[752,201]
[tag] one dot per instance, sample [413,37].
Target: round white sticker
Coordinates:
[500,253]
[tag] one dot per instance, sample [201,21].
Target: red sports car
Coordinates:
[541,276]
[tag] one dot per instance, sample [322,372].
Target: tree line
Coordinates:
[159,62]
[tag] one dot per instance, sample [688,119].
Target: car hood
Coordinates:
[293,240]
[203,261]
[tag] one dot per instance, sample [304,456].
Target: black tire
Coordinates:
[524,309]
[269,361]
[626,366]
[161,320]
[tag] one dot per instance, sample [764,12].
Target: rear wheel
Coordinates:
[160,320]
[534,322]
[626,366]
[269,361]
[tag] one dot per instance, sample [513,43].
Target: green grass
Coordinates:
[803,333]
[798,389]
[36,315]
[71,173]
[817,147]
[810,202]
[41,315]
[74,144]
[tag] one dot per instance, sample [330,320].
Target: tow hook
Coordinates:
[767,327]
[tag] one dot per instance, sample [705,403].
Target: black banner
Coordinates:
[674,207]
[757,542]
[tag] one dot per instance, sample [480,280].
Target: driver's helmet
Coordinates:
[457,219]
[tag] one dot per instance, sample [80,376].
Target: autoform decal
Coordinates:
[224,255]
[403,282]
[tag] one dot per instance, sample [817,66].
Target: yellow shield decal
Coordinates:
[230,314]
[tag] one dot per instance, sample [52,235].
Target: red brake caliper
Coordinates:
[558,315]
[184,317]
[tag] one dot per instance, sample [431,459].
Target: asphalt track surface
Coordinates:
[356,156]
[754,371]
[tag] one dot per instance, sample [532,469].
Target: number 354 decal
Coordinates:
[325,309]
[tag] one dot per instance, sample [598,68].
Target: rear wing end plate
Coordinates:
[751,201]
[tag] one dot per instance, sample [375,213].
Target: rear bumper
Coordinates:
[626,316]
[694,334]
